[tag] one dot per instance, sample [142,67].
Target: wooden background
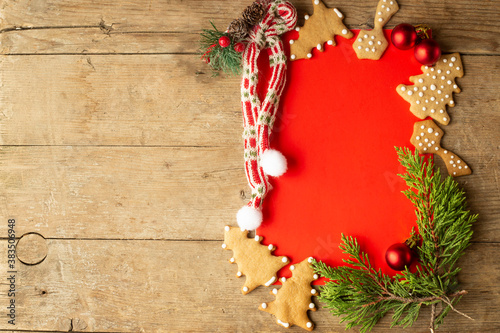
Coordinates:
[126,156]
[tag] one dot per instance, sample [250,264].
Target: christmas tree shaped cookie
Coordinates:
[254,260]
[434,89]
[319,28]
[371,44]
[427,139]
[293,300]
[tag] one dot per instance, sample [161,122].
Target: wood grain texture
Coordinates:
[188,286]
[455,22]
[118,147]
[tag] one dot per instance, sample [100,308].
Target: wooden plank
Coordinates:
[94,40]
[455,22]
[122,192]
[158,193]
[158,286]
[165,100]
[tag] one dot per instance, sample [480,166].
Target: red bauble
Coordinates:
[404,36]
[224,41]
[398,256]
[239,47]
[427,52]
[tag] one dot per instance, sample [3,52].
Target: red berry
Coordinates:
[398,256]
[224,41]
[427,52]
[239,47]
[404,36]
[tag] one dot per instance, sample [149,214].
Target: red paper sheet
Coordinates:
[339,121]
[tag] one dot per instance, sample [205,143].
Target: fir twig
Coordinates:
[362,295]
[225,59]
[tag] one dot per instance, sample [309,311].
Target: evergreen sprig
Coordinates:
[225,59]
[362,295]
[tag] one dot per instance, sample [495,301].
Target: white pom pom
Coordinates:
[249,218]
[273,162]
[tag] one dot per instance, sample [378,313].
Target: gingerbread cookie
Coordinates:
[371,44]
[254,260]
[434,89]
[319,28]
[293,300]
[427,139]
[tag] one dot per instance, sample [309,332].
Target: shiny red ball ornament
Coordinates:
[427,52]
[404,36]
[239,47]
[224,41]
[398,256]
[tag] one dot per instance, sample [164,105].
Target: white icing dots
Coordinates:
[379,13]
[318,46]
[418,102]
[458,68]
[238,274]
[370,42]
[430,130]
[245,289]
[410,92]
[455,86]
[446,152]
[270,247]
[422,127]
[445,119]
[330,42]
[424,109]
[264,305]
[344,31]
[284,259]
[283,279]
[311,305]
[437,133]
[309,324]
[297,29]
[291,41]
[359,47]
[433,111]
[372,37]
[418,138]
[313,291]
[367,49]
[231,260]
[365,36]
[441,111]
[426,140]
[339,14]
[257,238]
[224,246]
[403,88]
[449,82]
[380,19]
[420,144]
[433,87]
[275,291]
[316,2]
[227,228]
[445,60]
[315,276]
[453,59]
[360,39]
[309,55]
[451,102]
[306,17]
[310,260]
[437,148]
[421,81]
[292,267]
[293,57]
[421,94]
[379,43]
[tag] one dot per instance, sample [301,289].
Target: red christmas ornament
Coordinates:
[398,256]
[224,41]
[404,36]
[427,52]
[239,47]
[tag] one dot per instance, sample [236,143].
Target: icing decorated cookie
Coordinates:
[427,139]
[433,90]
[371,44]
[293,299]
[254,260]
[319,28]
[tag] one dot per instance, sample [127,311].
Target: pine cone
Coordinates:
[238,29]
[254,13]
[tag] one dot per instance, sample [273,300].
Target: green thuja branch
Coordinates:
[362,295]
